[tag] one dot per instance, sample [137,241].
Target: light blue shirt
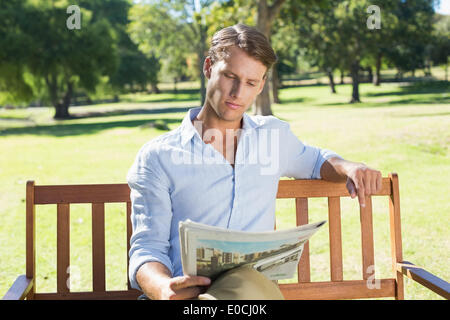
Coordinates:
[177,176]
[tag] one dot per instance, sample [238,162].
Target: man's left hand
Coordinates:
[363,181]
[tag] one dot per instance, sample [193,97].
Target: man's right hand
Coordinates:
[157,283]
[183,287]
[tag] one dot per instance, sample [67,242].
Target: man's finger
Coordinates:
[361,192]
[351,188]
[187,293]
[367,180]
[374,183]
[189,281]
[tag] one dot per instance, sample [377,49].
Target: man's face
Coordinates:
[233,83]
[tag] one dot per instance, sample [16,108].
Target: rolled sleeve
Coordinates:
[302,161]
[151,215]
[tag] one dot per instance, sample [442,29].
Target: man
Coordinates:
[221,167]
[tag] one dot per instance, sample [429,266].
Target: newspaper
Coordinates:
[209,251]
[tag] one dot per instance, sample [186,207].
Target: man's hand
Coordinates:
[157,283]
[183,287]
[363,181]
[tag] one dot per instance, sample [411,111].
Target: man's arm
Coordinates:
[362,181]
[157,283]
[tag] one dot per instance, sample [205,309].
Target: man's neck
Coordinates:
[209,120]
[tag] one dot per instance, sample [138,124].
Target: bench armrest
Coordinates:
[19,289]
[425,278]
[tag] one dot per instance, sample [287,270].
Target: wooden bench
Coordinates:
[337,288]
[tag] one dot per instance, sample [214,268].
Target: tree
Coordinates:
[412,34]
[61,58]
[135,69]
[172,29]
[441,42]
[265,17]
[13,52]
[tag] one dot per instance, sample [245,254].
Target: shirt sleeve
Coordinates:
[302,161]
[151,214]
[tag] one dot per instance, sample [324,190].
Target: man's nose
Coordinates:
[236,89]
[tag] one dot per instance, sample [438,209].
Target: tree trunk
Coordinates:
[264,18]
[330,77]
[201,60]
[377,76]
[342,76]
[175,91]
[275,84]
[355,81]
[370,74]
[62,107]
[155,88]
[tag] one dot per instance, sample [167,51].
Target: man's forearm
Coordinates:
[335,169]
[150,277]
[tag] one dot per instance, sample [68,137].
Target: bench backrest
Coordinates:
[337,288]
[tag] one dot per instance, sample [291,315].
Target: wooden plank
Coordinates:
[98,247]
[129,233]
[321,188]
[349,289]
[334,223]
[425,278]
[303,269]
[106,295]
[20,288]
[30,235]
[367,247]
[83,193]
[396,234]
[63,247]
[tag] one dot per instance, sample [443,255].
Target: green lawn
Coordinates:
[396,129]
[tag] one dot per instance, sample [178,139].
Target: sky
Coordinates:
[444,7]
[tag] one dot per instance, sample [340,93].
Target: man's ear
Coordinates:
[207,67]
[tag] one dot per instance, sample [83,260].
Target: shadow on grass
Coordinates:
[181,95]
[421,87]
[437,114]
[438,99]
[68,129]
[121,112]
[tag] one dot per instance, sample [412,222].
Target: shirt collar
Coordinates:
[188,130]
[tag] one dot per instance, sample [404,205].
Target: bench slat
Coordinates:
[90,193]
[396,237]
[367,240]
[334,220]
[129,233]
[303,269]
[82,193]
[321,188]
[107,295]
[63,247]
[349,289]
[98,247]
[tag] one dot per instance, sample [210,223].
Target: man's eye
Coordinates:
[251,84]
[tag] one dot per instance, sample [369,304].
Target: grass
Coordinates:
[396,128]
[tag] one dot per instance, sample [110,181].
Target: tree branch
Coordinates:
[274,9]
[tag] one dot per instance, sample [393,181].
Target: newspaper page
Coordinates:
[209,251]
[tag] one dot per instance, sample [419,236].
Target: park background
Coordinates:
[77,103]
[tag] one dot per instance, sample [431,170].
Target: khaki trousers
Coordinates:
[242,283]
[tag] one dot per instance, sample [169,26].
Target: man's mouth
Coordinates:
[232,106]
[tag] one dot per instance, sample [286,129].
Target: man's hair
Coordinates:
[249,39]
